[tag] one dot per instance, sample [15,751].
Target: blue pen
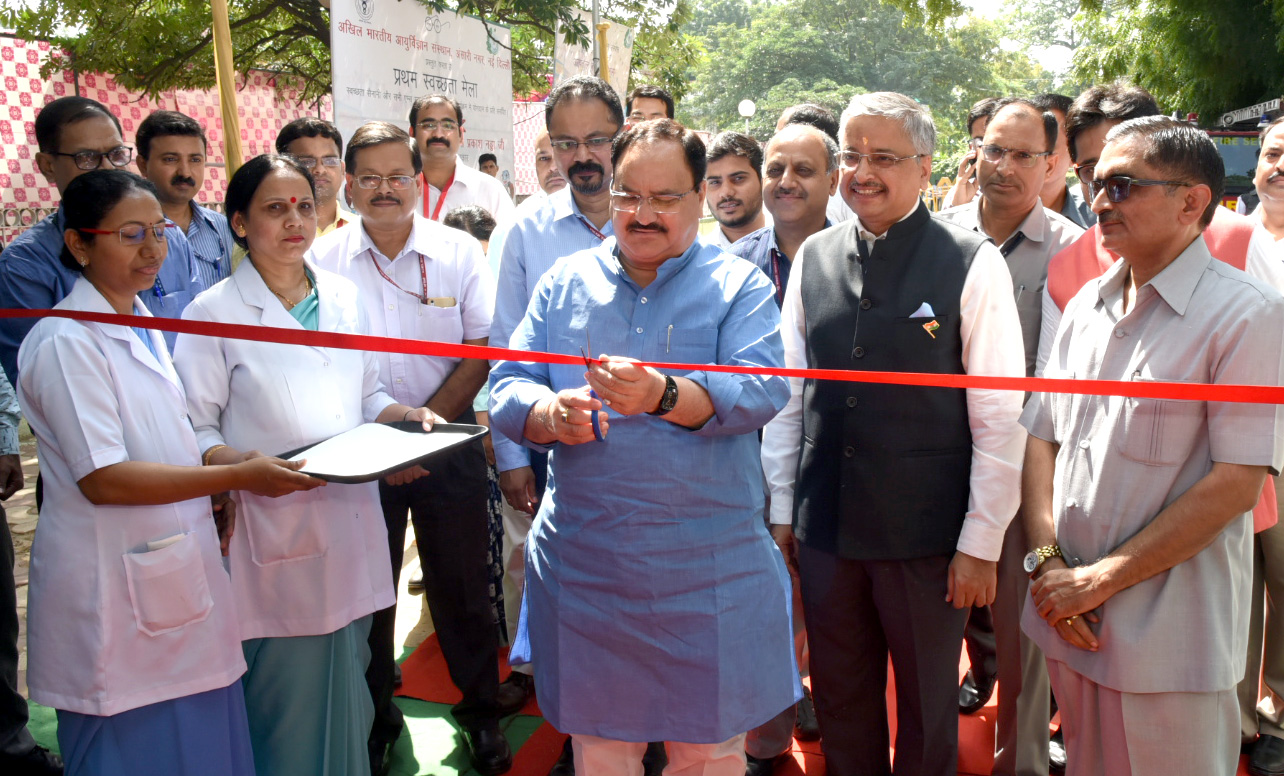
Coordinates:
[597,426]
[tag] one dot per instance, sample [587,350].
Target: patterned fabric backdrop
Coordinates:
[264,104]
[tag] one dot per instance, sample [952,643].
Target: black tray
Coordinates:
[463,433]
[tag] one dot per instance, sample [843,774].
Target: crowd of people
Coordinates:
[691,568]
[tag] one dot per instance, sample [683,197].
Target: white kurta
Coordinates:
[111,625]
[311,562]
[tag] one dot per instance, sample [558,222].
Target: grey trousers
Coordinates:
[858,613]
[14,738]
[1261,691]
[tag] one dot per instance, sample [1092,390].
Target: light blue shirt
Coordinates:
[10,416]
[212,245]
[33,278]
[657,606]
[530,248]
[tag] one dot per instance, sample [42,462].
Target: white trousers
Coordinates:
[603,757]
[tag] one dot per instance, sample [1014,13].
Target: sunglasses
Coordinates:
[1119,187]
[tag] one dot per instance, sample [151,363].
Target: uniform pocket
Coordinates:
[167,587]
[286,529]
[1159,432]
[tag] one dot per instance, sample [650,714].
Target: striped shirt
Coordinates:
[211,241]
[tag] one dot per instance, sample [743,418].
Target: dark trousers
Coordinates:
[448,509]
[857,614]
[978,635]
[14,738]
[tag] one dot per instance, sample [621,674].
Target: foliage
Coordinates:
[156,45]
[825,51]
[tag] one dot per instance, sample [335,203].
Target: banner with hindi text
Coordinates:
[386,53]
[571,60]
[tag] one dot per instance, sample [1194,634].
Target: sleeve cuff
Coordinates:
[980,540]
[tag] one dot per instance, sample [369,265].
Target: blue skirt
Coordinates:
[199,735]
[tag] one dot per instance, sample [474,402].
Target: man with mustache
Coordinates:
[437,124]
[893,499]
[1136,509]
[734,188]
[656,604]
[421,280]
[801,168]
[1018,157]
[171,154]
[821,118]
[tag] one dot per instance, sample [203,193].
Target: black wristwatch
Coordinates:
[668,399]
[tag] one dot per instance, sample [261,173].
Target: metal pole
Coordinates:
[597,52]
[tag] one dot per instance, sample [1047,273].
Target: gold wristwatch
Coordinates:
[1035,558]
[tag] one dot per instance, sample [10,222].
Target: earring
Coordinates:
[83,261]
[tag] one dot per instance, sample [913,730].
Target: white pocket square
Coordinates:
[924,311]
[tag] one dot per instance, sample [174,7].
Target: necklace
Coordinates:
[307,289]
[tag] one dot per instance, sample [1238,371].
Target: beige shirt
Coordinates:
[1121,461]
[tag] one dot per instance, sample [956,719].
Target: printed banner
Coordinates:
[571,60]
[386,53]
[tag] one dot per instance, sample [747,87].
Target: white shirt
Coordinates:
[454,268]
[111,625]
[992,345]
[470,187]
[311,562]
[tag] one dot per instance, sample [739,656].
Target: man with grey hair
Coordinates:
[894,500]
[1137,510]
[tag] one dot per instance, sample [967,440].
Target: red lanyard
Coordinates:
[776,257]
[423,279]
[441,200]
[596,233]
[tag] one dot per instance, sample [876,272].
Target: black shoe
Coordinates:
[396,674]
[757,766]
[806,727]
[488,750]
[514,692]
[416,582]
[37,762]
[380,757]
[655,759]
[1267,758]
[565,765]
[974,693]
[1057,754]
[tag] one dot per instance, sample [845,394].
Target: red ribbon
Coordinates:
[1247,394]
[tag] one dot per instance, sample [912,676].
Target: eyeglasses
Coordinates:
[431,125]
[1118,187]
[659,203]
[994,154]
[877,161]
[593,143]
[134,234]
[92,160]
[396,182]
[1084,172]
[310,162]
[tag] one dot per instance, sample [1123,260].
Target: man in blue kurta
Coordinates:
[657,606]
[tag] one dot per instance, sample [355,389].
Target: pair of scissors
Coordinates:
[588,364]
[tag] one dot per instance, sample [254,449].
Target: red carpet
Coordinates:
[425,678]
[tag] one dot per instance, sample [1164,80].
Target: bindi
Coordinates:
[293,200]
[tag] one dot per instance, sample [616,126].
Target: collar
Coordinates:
[1034,226]
[416,242]
[609,251]
[774,245]
[1175,284]
[865,234]
[464,176]
[84,296]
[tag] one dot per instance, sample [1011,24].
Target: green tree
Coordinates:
[156,45]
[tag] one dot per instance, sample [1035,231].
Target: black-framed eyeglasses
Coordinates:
[1119,187]
[395,182]
[659,203]
[879,161]
[593,143]
[431,125]
[994,154]
[135,234]
[1084,172]
[310,162]
[92,160]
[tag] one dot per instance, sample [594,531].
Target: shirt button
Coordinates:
[849,451]
[639,330]
[1084,444]
[1119,333]
[1071,503]
[644,300]
[865,304]
[392,307]
[851,401]
[326,363]
[859,352]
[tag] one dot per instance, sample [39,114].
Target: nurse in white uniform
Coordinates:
[308,570]
[133,632]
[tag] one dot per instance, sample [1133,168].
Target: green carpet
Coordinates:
[429,745]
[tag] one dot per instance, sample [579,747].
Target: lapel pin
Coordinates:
[930,327]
